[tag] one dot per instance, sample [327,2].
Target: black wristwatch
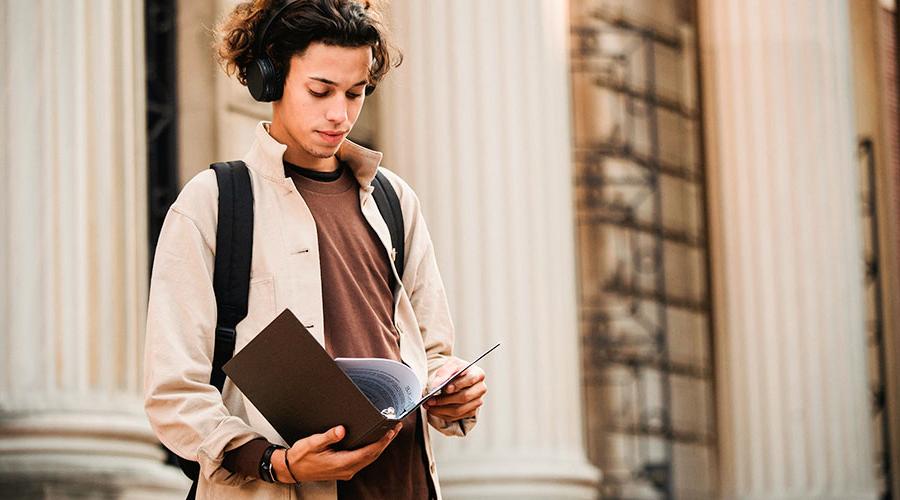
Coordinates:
[266,470]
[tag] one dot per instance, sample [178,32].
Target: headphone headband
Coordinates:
[260,41]
[264,81]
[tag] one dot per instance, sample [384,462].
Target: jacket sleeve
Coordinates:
[186,412]
[429,300]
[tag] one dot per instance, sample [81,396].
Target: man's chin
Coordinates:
[323,152]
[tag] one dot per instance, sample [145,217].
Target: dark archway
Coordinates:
[162,112]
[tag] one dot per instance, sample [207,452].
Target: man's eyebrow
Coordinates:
[329,82]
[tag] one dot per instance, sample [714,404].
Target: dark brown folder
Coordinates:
[301,391]
[299,388]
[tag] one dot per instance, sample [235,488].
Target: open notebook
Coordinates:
[301,390]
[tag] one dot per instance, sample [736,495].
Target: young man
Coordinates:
[321,249]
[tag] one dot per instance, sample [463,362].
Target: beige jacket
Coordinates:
[188,415]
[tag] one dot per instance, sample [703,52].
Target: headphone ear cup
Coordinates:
[264,81]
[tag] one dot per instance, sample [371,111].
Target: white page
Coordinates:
[387,383]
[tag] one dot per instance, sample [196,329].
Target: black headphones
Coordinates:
[264,80]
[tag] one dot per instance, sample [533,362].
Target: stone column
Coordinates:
[477,120]
[73,254]
[794,415]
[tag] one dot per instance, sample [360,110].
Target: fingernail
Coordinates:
[451,388]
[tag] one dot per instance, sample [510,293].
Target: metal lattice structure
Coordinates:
[162,119]
[645,307]
[162,112]
[875,323]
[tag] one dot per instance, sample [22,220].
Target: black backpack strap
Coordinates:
[234,251]
[389,205]
[231,275]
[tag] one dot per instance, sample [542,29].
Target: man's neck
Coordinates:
[296,155]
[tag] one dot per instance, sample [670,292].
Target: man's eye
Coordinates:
[351,95]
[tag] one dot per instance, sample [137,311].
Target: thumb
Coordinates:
[326,439]
[443,373]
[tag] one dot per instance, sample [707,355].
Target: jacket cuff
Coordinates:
[230,434]
[244,459]
[457,428]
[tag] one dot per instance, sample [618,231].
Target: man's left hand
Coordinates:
[462,397]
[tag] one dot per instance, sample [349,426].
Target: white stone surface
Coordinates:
[73,252]
[477,120]
[794,414]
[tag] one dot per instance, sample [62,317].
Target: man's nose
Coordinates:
[337,112]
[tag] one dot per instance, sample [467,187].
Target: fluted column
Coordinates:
[477,119]
[73,253]
[793,408]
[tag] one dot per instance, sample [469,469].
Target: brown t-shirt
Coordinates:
[358,322]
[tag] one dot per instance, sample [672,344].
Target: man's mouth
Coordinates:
[332,138]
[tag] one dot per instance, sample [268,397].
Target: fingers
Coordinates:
[355,460]
[463,396]
[314,460]
[456,412]
[468,378]
[318,442]
[448,368]
[381,444]
[445,371]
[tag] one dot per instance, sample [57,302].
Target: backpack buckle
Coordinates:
[225,334]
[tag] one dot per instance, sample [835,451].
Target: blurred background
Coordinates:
[681,217]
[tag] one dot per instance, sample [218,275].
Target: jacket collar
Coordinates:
[266,158]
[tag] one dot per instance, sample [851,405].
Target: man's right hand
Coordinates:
[313,459]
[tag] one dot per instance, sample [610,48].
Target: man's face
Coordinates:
[323,95]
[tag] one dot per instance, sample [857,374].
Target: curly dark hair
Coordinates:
[344,23]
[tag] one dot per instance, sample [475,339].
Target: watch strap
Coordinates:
[266,470]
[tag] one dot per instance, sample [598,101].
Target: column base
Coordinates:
[818,495]
[63,455]
[519,477]
[119,480]
[624,485]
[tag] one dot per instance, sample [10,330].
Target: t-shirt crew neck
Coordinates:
[335,182]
